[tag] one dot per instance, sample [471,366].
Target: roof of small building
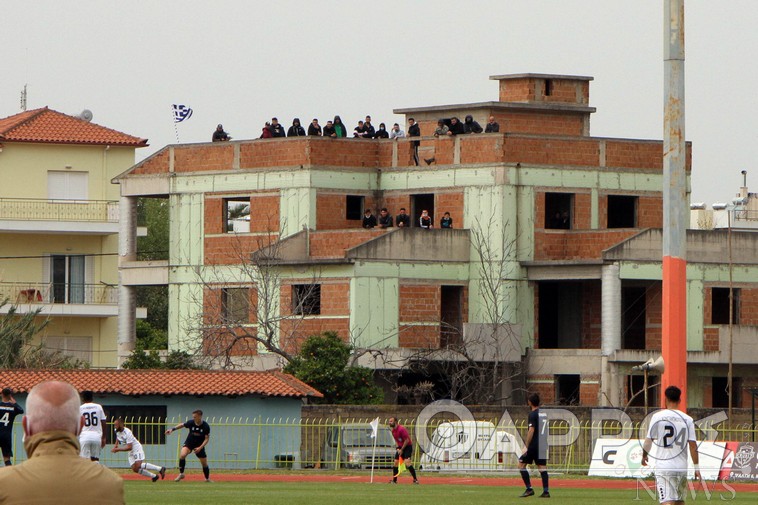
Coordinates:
[49,126]
[165,382]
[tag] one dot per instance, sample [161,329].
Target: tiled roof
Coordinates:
[49,126]
[165,382]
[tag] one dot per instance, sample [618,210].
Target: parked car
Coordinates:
[351,446]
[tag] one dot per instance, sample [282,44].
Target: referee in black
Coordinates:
[197,439]
[9,409]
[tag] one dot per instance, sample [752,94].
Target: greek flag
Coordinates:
[181,112]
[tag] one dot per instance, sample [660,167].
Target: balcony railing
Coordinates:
[63,293]
[26,209]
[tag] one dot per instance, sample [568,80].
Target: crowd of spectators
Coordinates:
[403,220]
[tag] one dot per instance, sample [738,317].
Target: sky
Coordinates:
[241,62]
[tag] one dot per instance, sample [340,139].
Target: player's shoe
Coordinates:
[208,480]
[392,482]
[155,477]
[162,473]
[527,493]
[179,477]
[415,481]
[545,494]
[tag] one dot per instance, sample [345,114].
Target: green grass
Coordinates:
[351,493]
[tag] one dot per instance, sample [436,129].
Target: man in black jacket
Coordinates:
[296,130]
[414,131]
[314,129]
[471,126]
[277,130]
[456,127]
[369,128]
[492,126]
[369,220]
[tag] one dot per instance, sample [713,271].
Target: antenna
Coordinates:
[86,115]
[23,98]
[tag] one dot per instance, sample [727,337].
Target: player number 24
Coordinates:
[679,439]
[5,419]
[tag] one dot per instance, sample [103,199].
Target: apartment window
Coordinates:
[354,207]
[147,422]
[67,185]
[558,211]
[567,389]
[720,306]
[236,215]
[622,211]
[76,347]
[306,299]
[235,305]
[67,278]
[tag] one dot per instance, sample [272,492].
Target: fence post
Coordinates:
[258,449]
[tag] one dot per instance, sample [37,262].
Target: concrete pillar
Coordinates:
[127,302]
[610,393]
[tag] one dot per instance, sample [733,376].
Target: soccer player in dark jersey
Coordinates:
[197,439]
[536,448]
[404,449]
[9,409]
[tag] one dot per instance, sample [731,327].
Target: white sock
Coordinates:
[144,472]
[151,467]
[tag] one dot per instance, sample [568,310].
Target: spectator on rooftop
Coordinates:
[414,131]
[359,131]
[385,220]
[382,132]
[277,130]
[492,126]
[456,127]
[220,135]
[266,132]
[471,126]
[296,130]
[339,128]
[396,132]
[329,130]
[402,219]
[314,129]
[369,220]
[446,221]
[442,129]
[369,128]
[425,221]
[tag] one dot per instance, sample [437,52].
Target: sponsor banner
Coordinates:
[740,461]
[618,457]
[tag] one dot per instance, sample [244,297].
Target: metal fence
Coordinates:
[254,444]
[59,210]
[66,293]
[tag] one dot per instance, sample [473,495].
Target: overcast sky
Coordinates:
[241,62]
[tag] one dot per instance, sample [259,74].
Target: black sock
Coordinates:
[207,472]
[8,463]
[526,479]
[412,471]
[394,473]
[543,474]
[182,462]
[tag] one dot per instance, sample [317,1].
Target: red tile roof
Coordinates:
[52,127]
[165,382]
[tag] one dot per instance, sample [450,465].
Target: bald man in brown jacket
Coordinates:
[54,472]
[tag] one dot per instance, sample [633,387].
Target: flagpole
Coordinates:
[176,128]
[373,460]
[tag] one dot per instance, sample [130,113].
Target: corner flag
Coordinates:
[374,427]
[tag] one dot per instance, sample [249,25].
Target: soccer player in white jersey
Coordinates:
[126,441]
[92,436]
[673,433]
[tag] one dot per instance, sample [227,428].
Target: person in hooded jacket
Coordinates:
[266,131]
[382,132]
[456,127]
[296,130]
[339,127]
[471,126]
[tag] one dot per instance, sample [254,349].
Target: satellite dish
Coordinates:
[86,115]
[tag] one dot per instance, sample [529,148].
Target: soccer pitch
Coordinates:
[351,493]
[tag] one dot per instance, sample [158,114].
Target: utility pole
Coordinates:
[674,341]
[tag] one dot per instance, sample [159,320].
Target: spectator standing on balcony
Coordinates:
[425,221]
[339,128]
[471,126]
[446,221]
[442,129]
[329,130]
[492,126]
[314,129]
[402,219]
[370,131]
[396,132]
[414,131]
[220,135]
[456,127]
[359,131]
[369,220]
[9,409]
[277,130]
[382,132]
[266,131]
[385,220]
[296,130]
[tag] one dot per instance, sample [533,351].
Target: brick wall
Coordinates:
[482,149]
[394,201]
[155,164]
[582,211]
[565,245]
[517,90]
[334,244]
[649,209]
[419,304]
[589,392]
[541,123]
[533,89]
[233,249]
[201,158]
[748,306]
[553,151]
[653,317]
[449,202]
[274,152]
[331,208]
[546,390]
[264,212]
[348,153]
[220,339]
